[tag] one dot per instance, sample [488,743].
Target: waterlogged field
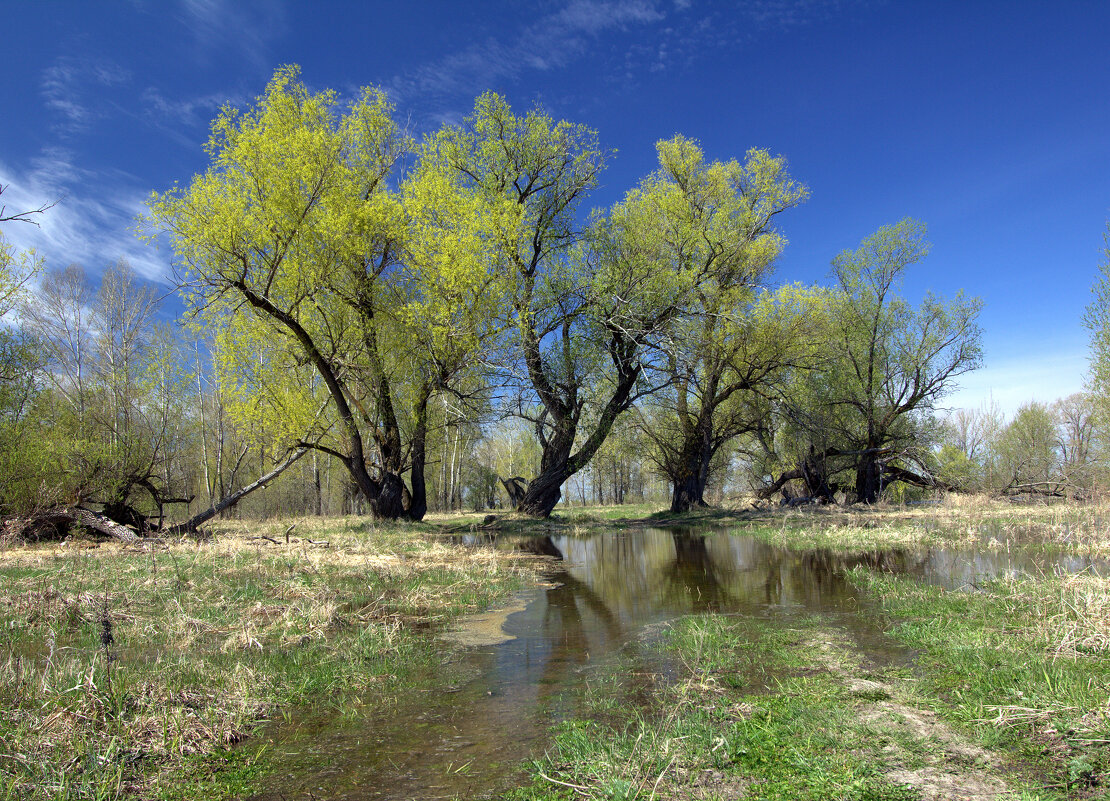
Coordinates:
[131,670]
[960,650]
[994,681]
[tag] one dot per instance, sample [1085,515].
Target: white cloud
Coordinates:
[247,25]
[174,114]
[93,223]
[552,42]
[66,85]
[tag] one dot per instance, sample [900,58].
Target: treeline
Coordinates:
[402,326]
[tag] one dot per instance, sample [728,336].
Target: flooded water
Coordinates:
[612,592]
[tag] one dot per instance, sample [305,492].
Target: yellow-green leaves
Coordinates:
[16,269]
[453,281]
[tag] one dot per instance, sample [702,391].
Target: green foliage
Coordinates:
[105,420]
[1027,448]
[293,217]
[307,260]
[886,365]
[702,233]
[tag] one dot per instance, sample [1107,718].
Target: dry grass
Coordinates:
[208,638]
[953,520]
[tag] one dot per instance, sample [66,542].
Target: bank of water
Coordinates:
[466,733]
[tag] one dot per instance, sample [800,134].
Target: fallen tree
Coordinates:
[59,522]
[193,523]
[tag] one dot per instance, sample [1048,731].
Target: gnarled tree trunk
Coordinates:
[688,486]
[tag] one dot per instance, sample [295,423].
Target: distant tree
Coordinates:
[20,363]
[1075,422]
[1097,320]
[726,380]
[868,409]
[966,459]
[1029,454]
[893,359]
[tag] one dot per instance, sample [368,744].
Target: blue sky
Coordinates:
[988,121]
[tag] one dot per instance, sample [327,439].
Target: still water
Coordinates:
[611,592]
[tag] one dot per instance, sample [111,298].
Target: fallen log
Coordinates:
[193,523]
[59,522]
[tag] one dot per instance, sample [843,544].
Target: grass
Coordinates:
[1022,665]
[757,715]
[1007,693]
[953,521]
[129,670]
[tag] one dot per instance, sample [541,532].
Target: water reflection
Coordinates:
[613,587]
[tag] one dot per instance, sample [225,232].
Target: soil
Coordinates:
[955,769]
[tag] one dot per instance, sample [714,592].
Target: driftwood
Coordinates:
[193,523]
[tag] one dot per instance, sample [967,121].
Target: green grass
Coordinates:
[755,716]
[1008,691]
[209,639]
[1022,665]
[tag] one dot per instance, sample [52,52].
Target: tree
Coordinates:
[710,225]
[1075,421]
[114,393]
[1097,320]
[579,312]
[20,363]
[28,216]
[296,244]
[17,268]
[1029,451]
[893,360]
[291,237]
[886,364]
[968,448]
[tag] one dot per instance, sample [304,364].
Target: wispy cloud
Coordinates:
[553,41]
[93,223]
[664,35]
[247,25]
[67,84]
[190,111]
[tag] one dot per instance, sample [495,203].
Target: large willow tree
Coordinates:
[586,306]
[297,243]
[713,222]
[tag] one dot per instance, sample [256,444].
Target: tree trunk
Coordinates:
[815,474]
[319,494]
[418,502]
[688,489]
[197,520]
[868,473]
[98,522]
[542,494]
